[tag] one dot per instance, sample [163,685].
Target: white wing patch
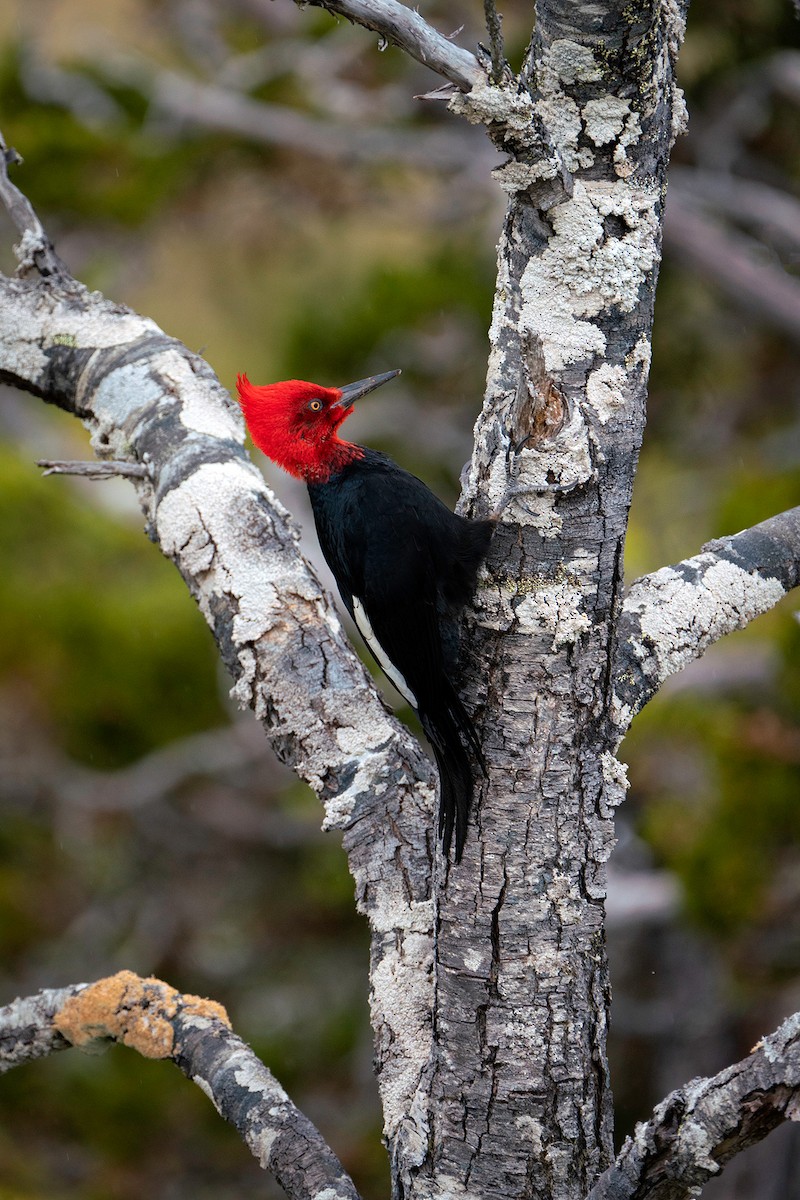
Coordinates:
[387,666]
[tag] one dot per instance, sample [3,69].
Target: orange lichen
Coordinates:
[137,1012]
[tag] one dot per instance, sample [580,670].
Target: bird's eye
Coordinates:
[315,405]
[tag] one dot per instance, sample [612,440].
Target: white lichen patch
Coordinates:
[20,354]
[532,1131]
[554,607]
[262,1145]
[204,524]
[515,176]
[475,961]
[566,898]
[640,355]
[540,473]
[604,118]
[606,392]
[680,617]
[696,1143]
[205,1087]
[629,136]
[339,808]
[584,271]
[101,326]
[567,62]
[561,118]
[118,394]
[401,1002]
[487,104]
[780,1042]
[680,114]
[615,782]
[254,1077]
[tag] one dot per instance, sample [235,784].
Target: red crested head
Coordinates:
[295,423]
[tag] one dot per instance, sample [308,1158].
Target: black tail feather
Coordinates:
[452,735]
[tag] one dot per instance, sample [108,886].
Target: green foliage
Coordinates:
[99,631]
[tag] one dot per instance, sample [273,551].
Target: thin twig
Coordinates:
[494,29]
[35,250]
[404,27]
[93,470]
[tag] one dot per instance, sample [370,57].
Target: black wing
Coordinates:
[400,557]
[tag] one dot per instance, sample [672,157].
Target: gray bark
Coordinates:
[523,1100]
[158,1022]
[489,981]
[701,1126]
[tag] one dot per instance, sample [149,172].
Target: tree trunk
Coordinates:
[520,1092]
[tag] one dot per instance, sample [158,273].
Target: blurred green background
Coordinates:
[261,181]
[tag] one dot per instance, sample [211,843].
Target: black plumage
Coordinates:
[405,565]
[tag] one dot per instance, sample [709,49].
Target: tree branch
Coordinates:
[147,400]
[673,615]
[697,1129]
[159,1022]
[404,27]
[109,469]
[35,251]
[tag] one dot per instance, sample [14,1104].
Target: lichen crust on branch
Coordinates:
[698,1128]
[136,1012]
[673,615]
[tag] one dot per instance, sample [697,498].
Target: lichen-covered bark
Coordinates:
[697,1129]
[159,1022]
[673,615]
[521,1099]
[489,982]
[146,399]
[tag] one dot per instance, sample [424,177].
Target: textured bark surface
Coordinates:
[675,614]
[701,1126]
[521,1090]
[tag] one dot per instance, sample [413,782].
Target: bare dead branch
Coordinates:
[495,31]
[108,469]
[404,27]
[153,1018]
[35,250]
[673,615]
[697,1129]
[734,263]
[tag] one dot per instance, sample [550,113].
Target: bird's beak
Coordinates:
[354,391]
